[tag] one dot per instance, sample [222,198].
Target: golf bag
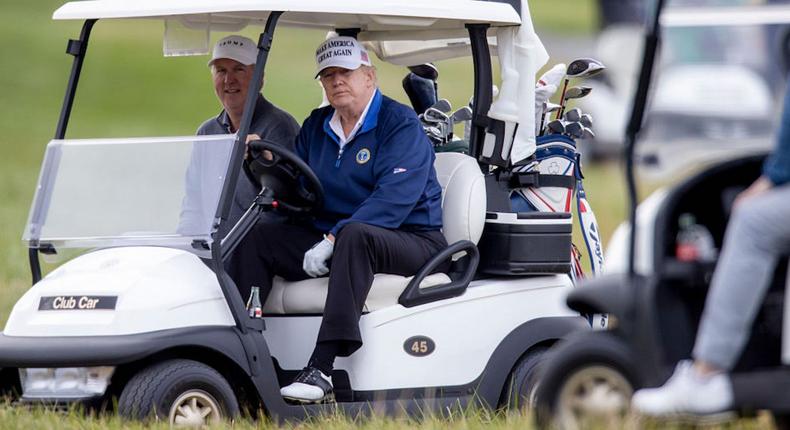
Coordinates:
[556,158]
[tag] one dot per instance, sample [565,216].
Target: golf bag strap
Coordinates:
[535,179]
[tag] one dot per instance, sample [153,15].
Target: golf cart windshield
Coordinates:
[114,192]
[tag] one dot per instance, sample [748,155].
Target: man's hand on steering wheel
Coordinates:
[250,137]
[293,183]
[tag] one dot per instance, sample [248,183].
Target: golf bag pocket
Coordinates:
[556,168]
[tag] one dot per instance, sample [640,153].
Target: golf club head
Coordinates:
[577,92]
[551,107]
[434,133]
[584,68]
[586,120]
[574,130]
[587,133]
[426,71]
[433,114]
[442,105]
[556,127]
[573,115]
[463,114]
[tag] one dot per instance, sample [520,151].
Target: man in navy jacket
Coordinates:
[382,211]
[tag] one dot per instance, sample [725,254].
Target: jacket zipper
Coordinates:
[339,154]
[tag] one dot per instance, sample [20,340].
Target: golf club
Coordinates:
[548,108]
[574,130]
[426,70]
[442,105]
[573,115]
[586,120]
[556,127]
[462,115]
[587,133]
[573,93]
[580,68]
[432,114]
[577,93]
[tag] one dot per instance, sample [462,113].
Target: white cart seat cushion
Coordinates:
[463,196]
[309,296]
[463,218]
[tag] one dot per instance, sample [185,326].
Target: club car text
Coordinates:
[68,303]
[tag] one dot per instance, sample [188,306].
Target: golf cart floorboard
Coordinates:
[765,389]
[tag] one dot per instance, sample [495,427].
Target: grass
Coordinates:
[40,418]
[128,89]
[15,418]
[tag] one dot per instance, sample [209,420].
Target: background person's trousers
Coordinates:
[360,251]
[757,235]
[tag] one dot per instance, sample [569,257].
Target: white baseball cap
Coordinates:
[239,48]
[341,51]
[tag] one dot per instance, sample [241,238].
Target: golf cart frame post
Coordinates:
[652,39]
[78,48]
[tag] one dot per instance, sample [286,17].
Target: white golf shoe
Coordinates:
[309,386]
[686,393]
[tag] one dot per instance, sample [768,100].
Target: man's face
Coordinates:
[348,88]
[231,81]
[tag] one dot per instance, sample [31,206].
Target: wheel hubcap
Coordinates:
[195,408]
[593,393]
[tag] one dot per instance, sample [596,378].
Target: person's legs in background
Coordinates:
[758,233]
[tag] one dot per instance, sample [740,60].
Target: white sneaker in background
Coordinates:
[686,393]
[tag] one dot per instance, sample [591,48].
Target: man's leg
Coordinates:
[757,235]
[360,251]
[268,250]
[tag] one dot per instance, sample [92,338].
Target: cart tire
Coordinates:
[523,381]
[183,392]
[586,379]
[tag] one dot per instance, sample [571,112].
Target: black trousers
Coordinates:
[360,251]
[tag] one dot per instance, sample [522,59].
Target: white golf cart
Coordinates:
[148,314]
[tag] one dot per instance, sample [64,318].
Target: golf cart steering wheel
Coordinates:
[292,182]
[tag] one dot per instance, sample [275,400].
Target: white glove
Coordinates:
[315,258]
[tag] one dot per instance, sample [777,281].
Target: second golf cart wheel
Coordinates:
[523,382]
[183,392]
[586,380]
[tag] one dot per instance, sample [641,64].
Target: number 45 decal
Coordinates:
[419,346]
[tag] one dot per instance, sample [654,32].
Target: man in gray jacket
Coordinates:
[232,64]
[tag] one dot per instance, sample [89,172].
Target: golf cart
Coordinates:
[654,291]
[147,313]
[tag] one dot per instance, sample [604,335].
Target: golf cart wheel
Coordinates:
[523,382]
[183,392]
[586,380]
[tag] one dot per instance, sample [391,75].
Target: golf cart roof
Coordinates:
[703,16]
[368,16]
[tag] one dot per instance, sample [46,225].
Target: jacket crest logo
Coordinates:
[363,156]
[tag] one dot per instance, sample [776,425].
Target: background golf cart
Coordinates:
[657,306]
[716,83]
[503,361]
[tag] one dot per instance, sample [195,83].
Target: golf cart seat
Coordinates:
[463,217]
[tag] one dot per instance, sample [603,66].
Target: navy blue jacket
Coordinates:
[384,176]
[777,166]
